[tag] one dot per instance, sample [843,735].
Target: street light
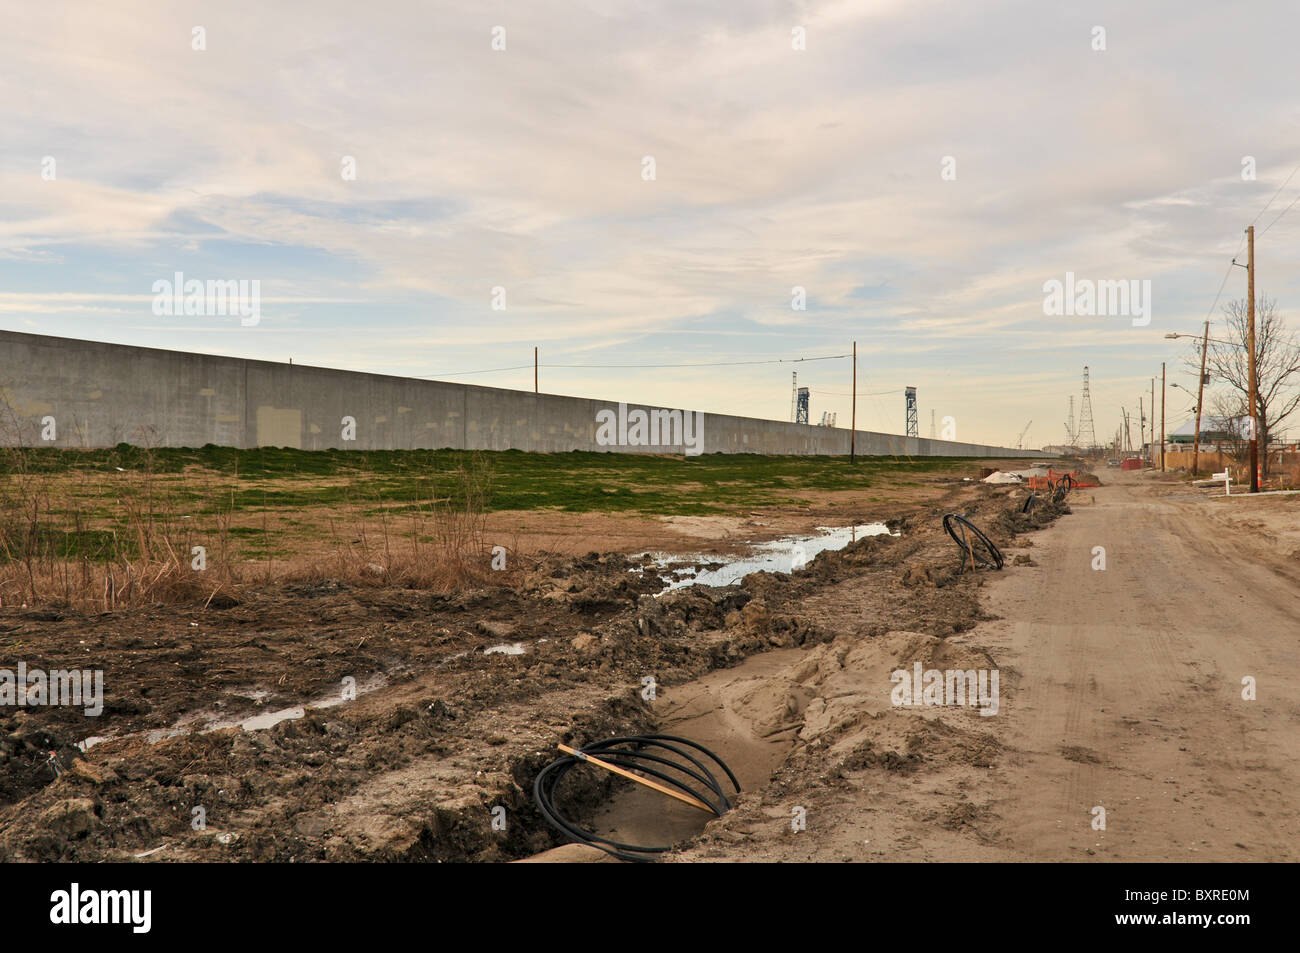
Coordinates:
[1200,392]
[1175,334]
[1185,391]
[1205,340]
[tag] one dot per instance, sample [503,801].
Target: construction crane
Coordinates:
[1020,441]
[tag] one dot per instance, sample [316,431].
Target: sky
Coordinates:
[919,169]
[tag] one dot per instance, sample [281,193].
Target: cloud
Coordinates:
[774,168]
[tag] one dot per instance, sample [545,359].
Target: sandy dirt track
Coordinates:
[1121,689]
[1130,695]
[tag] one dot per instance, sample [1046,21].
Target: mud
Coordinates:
[413,769]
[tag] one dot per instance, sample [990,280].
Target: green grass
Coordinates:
[284,479]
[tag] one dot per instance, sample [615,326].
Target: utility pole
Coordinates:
[1153,423]
[853,425]
[1250,343]
[1142,424]
[534,368]
[1162,416]
[1200,399]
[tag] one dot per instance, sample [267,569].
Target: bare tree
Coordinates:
[1277,365]
[1227,419]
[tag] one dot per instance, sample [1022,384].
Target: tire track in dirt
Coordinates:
[1149,722]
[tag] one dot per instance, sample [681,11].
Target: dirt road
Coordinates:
[1121,689]
[1130,689]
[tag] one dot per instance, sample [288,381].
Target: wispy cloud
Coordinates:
[774,168]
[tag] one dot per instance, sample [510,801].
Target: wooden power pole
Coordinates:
[1162,416]
[1200,399]
[853,422]
[1250,344]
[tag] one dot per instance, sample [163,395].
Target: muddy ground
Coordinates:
[441,733]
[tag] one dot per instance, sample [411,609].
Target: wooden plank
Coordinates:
[592,759]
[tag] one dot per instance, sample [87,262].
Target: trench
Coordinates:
[727,711]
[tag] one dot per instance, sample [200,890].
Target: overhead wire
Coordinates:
[520,367]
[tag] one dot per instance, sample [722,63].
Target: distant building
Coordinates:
[1213,430]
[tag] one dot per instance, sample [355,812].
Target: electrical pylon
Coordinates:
[1087,435]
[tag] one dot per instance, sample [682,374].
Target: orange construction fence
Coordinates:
[1054,476]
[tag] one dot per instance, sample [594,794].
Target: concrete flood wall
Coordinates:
[88,394]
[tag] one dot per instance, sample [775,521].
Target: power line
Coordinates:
[490,370]
[840,393]
[1223,284]
[1257,217]
[780,360]
[1281,213]
[1275,195]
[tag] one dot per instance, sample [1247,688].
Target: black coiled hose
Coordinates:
[1062,489]
[970,539]
[631,753]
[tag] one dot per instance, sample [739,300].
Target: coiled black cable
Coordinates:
[1062,488]
[972,541]
[631,753]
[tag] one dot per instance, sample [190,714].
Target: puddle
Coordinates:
[779,555]
[252,693]
[450,658]
[207,721]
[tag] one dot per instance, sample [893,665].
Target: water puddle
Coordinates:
[787,554]
[506,648]
[206,721]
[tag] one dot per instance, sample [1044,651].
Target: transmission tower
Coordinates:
[913,429]
[794,394]
[1087,435]
[931,423]
[801,406]
[1071,436]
